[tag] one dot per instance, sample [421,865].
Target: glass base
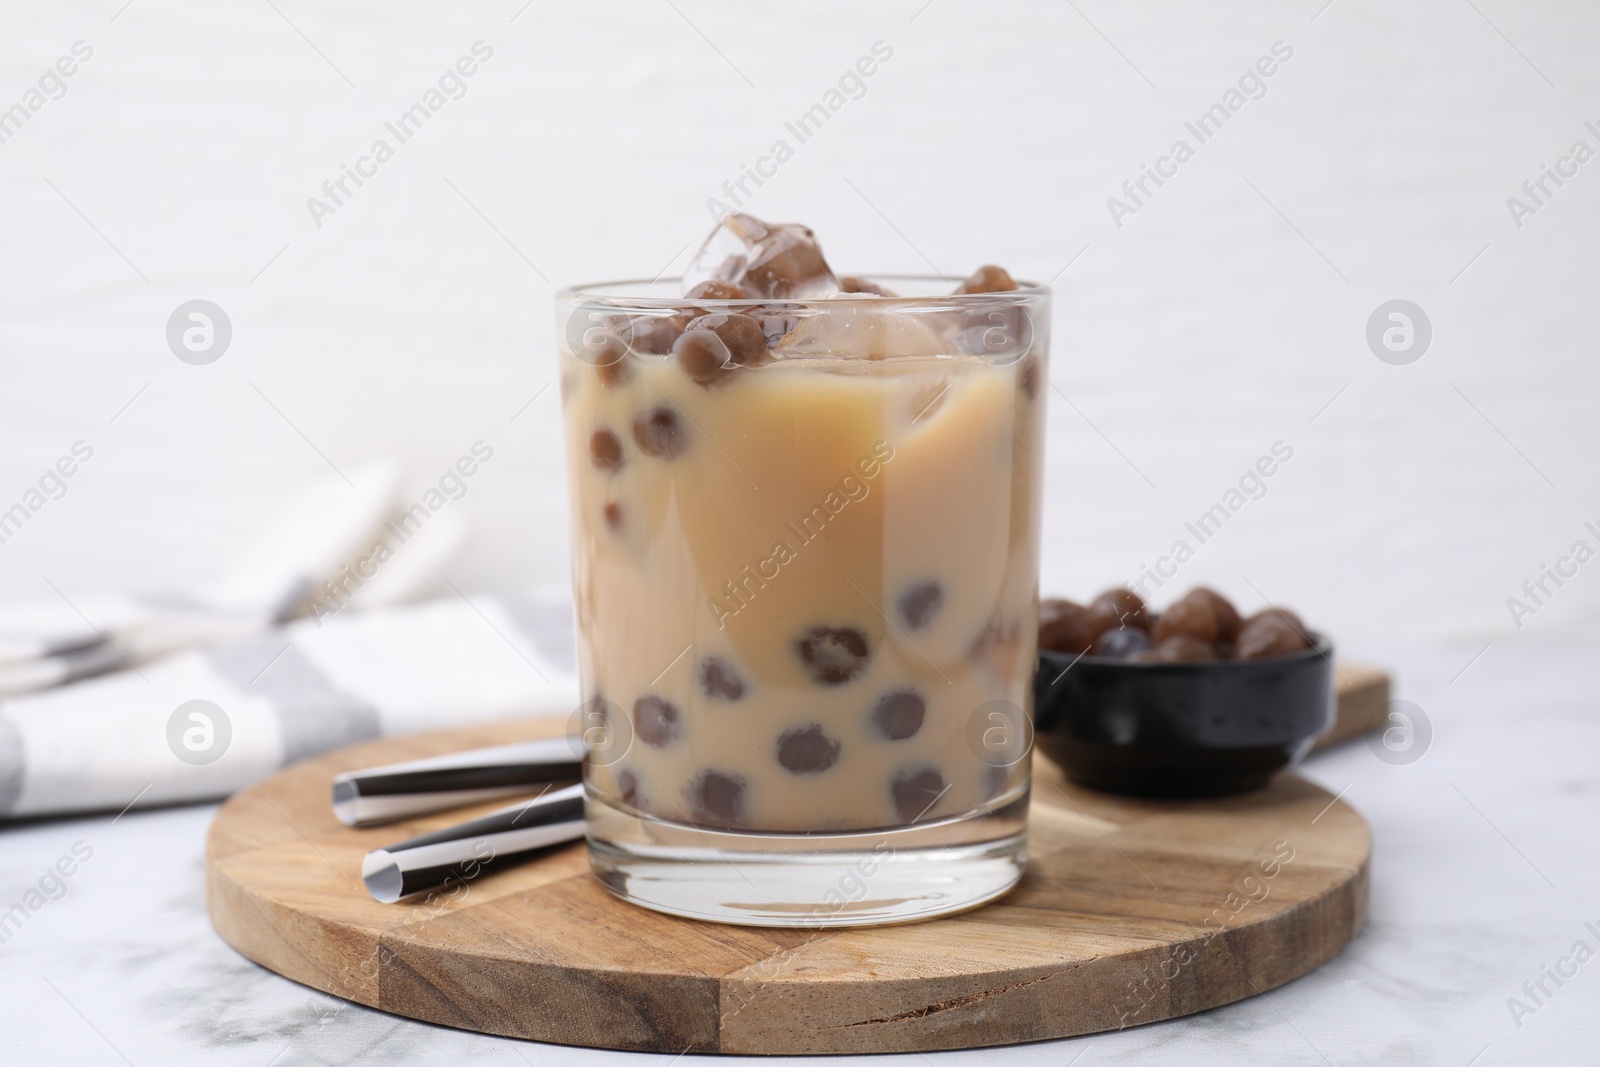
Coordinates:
[857,878]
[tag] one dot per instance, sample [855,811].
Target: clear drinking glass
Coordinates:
[805,574]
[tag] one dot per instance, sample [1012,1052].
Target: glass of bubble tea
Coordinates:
[805,540]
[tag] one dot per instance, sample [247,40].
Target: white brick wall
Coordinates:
[1189,340]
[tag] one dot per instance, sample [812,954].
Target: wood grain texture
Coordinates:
[1132,911]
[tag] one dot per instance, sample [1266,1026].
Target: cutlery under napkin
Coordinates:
[279,696]
[322,528]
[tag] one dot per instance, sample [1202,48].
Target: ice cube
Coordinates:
[781,260]
[856,329]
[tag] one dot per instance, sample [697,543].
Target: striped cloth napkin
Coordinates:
[199,724]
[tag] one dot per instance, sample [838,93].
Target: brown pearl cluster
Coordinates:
[710,338]
[1199,626]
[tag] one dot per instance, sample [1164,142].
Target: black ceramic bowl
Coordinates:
[1181,729]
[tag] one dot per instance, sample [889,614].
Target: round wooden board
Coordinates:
[1132,911]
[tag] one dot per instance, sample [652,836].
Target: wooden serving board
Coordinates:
[1131,911]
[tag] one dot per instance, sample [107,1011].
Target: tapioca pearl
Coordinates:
[988,279]
[1228,621]
[658,433]
[613,515]
[654,335]
[605,450]
[1177,649]
[703,356]
[916,792]
[1064,627]
[1283,615]
[609,355]
[1117,607]
[628,788]
[719,681]
[746,340]
[807,750]
[656,722]
[920,603]
[1121,643]
[1028,377]
[718,343]
[851,283]
[899,714]
[1192,616]
[717,797]
[713,289]
[833,656]
[1269,636]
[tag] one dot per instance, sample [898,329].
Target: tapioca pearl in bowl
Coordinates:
[1122,642]
[1064,627]
[1267,635]
[1190,616]
[1118,607]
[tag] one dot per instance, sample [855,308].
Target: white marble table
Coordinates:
[1484,870]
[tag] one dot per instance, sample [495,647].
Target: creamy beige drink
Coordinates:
[805,548]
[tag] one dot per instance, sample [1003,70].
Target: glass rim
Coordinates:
[589,292]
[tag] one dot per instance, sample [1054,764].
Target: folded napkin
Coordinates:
[200,724]
[299,562]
